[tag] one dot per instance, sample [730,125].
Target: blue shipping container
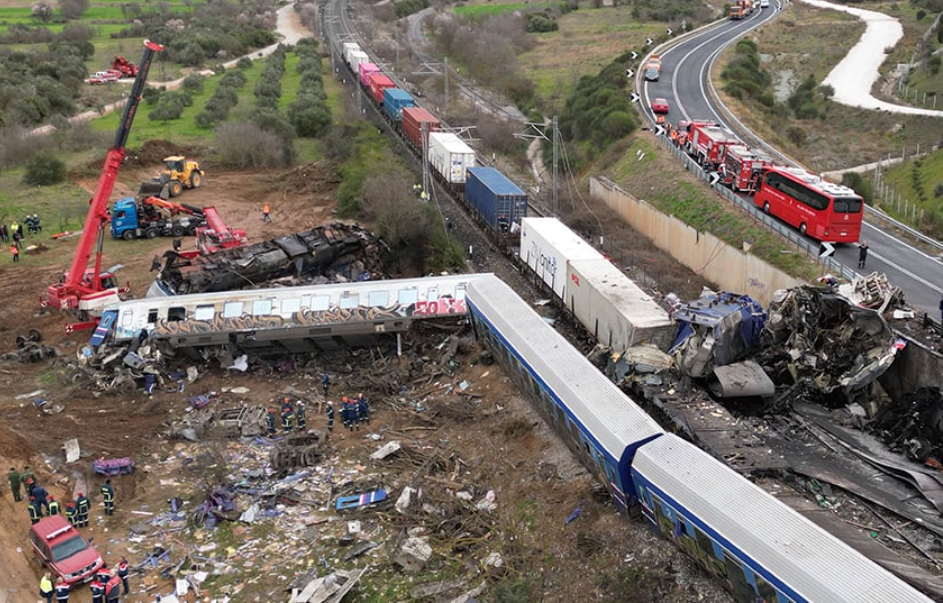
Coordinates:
[394,101]
[499,202]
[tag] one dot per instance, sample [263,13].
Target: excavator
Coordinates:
[83,289]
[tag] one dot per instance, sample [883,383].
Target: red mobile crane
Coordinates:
[83,289]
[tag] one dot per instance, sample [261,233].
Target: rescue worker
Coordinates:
[300,412]
[325,383]
[35,512]
[81,507]
[363,408]
[330,412]
[62,591]
[270,421]
[46,589]
[15,481]
[113,589]
[344,417]
[266,213]
[108,493]
[288,415]
[39,493]
[123,572]
[97,589]
[503,224]
[103,575]
[71,515]
[862,253]
[354,416]
[16,252]
[29,480]
[53,506]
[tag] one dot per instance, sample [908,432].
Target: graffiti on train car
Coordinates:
[305,317]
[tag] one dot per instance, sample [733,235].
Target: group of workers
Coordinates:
[293,416]
[41,503]
[105,587]
[353,412]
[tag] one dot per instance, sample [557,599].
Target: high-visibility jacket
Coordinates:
[70,514]
[108,492]
[35,513]
[54,507]
[82,505]
[45,586]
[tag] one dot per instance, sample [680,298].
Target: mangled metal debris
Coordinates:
[873,291]
[822,341]
[330,588]
[715,330]
[741,380]
[301,450]
[336,251]
[30,349]
[914,426]
[238,422]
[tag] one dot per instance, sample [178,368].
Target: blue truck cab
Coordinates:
[125,219]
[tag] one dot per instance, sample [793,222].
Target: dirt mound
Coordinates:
[312,178]
[154,151]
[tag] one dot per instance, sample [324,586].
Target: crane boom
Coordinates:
[82,288]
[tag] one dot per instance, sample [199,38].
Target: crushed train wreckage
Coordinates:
[337,251]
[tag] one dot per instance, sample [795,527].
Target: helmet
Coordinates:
[81,494]
[51,498]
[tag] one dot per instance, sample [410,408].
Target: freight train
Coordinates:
[736,531]
[825,211]
[493,199]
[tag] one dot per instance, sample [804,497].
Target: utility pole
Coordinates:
[539,132]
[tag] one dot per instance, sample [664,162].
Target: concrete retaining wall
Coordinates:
[730,268]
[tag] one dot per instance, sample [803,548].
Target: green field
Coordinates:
[588,39]
[481,10]
[917,181]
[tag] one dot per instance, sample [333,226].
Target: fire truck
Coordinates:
[742,167]
[706,142]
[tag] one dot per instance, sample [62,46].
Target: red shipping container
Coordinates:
[413,118]
[379,83]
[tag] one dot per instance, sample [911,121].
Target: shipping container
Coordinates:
[613,308]
[500,203]
[377,83]
[450,157]
[350,47]
[365,70]
[394,101]
[413,118]
[356,58]
[547,246]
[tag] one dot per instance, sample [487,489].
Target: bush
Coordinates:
[309,115]
[244,63]
[938,190]
[860,185]
[193,83]
[72,9]
[43,170]
[934,63]
[245,145]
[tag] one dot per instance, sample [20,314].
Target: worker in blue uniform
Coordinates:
[329,410]
[108,493]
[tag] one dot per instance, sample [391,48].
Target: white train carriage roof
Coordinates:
[751,522]
[611,417]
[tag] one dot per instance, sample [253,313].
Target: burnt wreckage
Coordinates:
[335,250]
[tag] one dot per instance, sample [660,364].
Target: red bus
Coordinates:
[828,212]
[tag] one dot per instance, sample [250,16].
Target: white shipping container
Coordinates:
[613,308]
[350,47]
[450,156]
[356,58]
[547,246]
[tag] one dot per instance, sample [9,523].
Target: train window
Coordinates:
[204,313]
[261,307]
[152,316]
[432,294]
[290,306]
[378,299]
[407,297]
[766,590]
[127,318]
[460,291]
[320,303]
[176,314]
[741,589]
[350,301]
[232,309]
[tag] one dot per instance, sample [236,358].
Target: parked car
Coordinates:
[764,3]
[104,77]
[63,550]
[659,105]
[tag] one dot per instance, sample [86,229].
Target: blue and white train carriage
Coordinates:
[761,549]
[294,319]
[602,425]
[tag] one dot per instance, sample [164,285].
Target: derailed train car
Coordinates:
[332,247]
[760,548]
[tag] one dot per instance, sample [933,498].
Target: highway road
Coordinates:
[685,83]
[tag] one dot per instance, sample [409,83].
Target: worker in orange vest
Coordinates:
[16,252]
[266,211]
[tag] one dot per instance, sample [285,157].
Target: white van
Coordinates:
[764,3]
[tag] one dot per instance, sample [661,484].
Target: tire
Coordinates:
[802,229]
[175,188]
[35,335]
[766,208]
[128,235]
[196,180]
[177,230]
[151,233]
